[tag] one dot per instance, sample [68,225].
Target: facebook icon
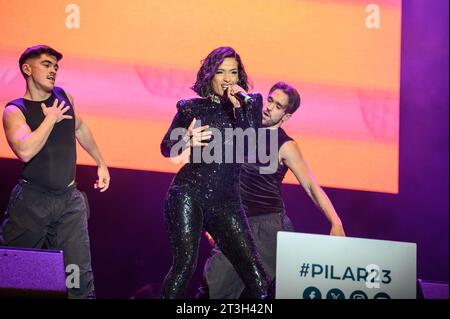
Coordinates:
[312,293]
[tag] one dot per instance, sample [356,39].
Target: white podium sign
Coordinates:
[313,266]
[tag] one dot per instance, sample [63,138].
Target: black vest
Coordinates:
[261,193]
[53,168]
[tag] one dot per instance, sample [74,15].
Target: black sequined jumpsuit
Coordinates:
[206,196]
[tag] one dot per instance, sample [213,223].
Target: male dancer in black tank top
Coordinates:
[262,200]
[46,210]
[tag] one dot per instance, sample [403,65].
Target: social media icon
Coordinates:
[358,294]
[381,295]
[335,294]
[312,293]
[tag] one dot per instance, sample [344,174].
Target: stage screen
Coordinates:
[127,63]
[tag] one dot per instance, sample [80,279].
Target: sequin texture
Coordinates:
[206,196]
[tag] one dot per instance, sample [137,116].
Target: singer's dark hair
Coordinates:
[291,92]
[209,68]
[35,52]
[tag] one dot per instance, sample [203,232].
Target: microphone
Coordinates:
[244,97]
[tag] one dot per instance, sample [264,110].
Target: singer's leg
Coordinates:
[184,221]
[229,228]
[220,278]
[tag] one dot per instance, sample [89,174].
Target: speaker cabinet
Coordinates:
[431,289]
[32,273]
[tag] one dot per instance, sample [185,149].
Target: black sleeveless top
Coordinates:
[53,168]
[261,193]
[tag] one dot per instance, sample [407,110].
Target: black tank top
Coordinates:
[261,193]
[53,168]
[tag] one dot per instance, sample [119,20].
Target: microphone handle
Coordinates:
[247,99]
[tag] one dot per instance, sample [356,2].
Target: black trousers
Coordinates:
[37,218]
[220,279]
[186,216]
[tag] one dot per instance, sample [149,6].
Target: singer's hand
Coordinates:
[231,92]
[198,135]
